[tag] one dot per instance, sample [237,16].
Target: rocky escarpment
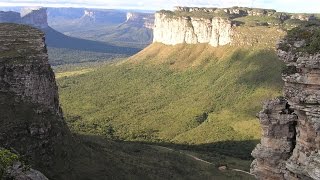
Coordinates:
[31,119]
[36,17]
[218,26]
[290,143]
[191,30]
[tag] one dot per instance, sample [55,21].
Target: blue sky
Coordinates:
[308,6]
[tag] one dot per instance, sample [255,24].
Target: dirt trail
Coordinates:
[198,159]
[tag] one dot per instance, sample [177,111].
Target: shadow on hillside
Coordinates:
[262,68]
[235,149]
[59,40]
[99,158]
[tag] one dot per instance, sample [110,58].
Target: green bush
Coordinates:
[7,158]
[310,33]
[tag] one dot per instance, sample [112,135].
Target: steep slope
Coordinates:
[183,94]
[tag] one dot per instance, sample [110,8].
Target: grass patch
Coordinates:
[7,158]
[72,73]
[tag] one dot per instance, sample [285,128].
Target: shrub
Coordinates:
[7,158]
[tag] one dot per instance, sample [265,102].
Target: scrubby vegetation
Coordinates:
[162,94]
[198,14]
[308,35]
[252,17]
[62,56]
[7,158]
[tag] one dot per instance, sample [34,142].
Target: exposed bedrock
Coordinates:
[191,30]
[31,119]
[293,154]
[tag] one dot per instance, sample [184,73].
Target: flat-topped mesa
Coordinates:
[245,11]
[191,30]
[300,51]
[215,26]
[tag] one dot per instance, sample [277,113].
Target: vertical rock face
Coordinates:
[290,141]
[172,30]
[9,17]
[36,17]
[25,70]
[278,139]
[30,117]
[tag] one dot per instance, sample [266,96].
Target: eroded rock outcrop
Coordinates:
[172,30]
[20,171]
[290,141]
[30,116]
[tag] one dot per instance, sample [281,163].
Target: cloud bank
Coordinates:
[310,6]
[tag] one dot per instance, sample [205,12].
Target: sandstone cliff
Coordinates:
[290,125]
[191,30]
[31,119]
[217,26]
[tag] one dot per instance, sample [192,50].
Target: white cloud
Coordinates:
[280,5]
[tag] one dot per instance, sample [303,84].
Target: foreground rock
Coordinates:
[21,172]
[290,141]
[30,116]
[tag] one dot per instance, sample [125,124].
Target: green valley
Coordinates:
[187,97]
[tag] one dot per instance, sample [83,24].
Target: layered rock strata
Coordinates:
[30,116]
[191,30]
[290,143]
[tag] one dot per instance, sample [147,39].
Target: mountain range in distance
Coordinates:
[97,34]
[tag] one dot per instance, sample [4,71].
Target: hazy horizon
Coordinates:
[297,6]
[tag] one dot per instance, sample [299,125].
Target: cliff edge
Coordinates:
[219,26]
[172,30]
[31,119]
[290,142]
